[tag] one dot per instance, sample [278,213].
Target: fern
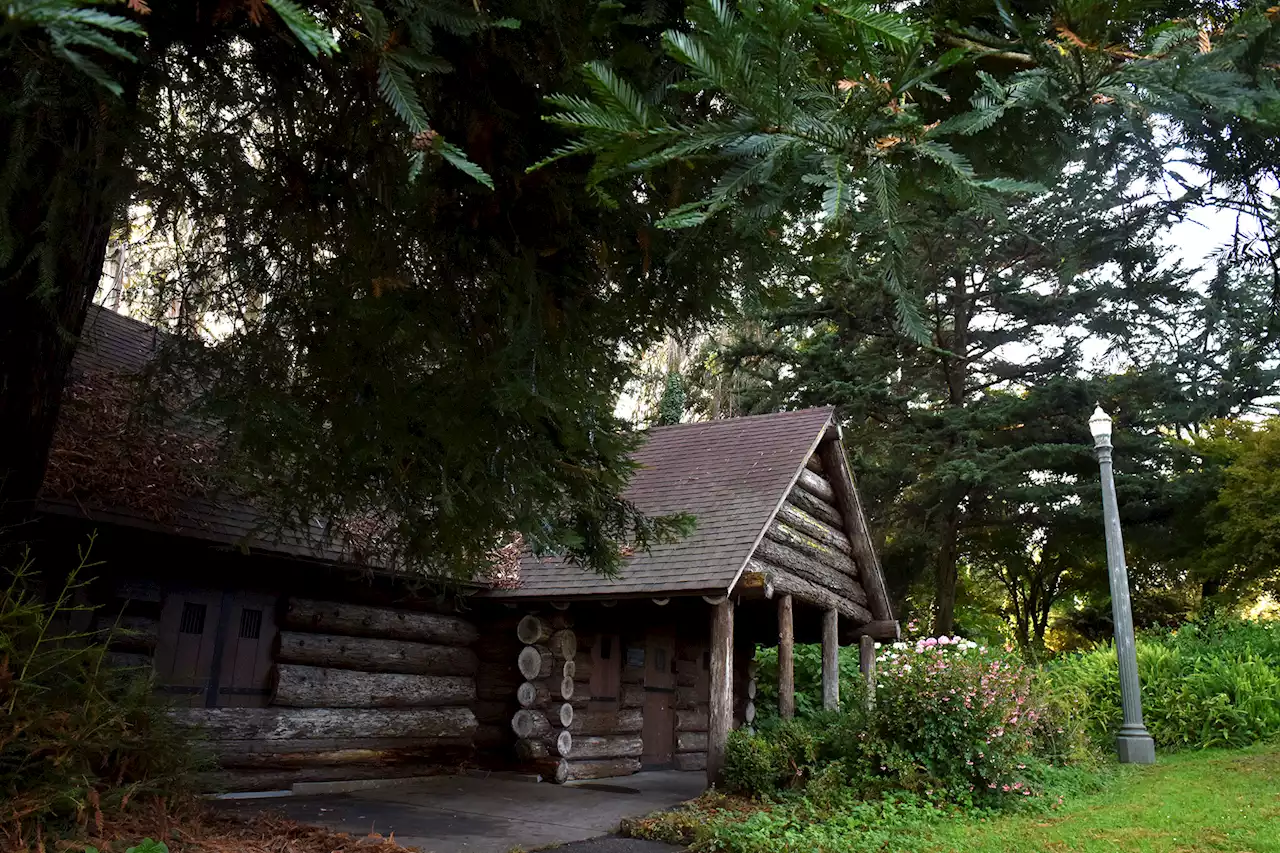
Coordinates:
[396,88]
[309,32]
[457,157]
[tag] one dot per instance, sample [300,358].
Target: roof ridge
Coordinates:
[739,418]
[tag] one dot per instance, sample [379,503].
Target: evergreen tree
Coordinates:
[947,325]
[421,333]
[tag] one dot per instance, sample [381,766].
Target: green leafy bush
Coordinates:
[951,721]
[762,764]
[1207,684]
[77,737]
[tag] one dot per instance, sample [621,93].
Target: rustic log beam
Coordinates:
[571,771]
[233,752]
[533,630]
[129,632]
[855,525]
[564,644]
[884,631]
[763,574]
[845,570]
[535,662]
[689,761]
[813,463]
[786,659]
[419,752]
[816,507]
[692,720]
[803,566]
[529,724]
[566,715]
[329,617]
[277,780]
[530,695]
[867,663]
[807,525]
[374,655]
[606,746]
[691,742]
[531,750]
[298,686]
[624,721]
[304,723]
[817,485]
[721,704]
[831,660]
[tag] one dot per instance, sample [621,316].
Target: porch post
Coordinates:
[830,661]
[867,663]
[721,711]
[786,659]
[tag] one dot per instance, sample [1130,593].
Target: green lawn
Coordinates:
[1193,801]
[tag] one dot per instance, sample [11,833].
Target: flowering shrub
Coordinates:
[951,713]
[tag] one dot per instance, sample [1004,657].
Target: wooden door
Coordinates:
[659,686]
[244,674]
[606,672]
[188,640]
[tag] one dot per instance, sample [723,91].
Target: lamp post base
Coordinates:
[1136,749]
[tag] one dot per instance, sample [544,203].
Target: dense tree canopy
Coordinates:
[403,295]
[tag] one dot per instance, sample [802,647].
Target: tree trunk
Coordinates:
[373,655]
[947,575]
[66,180]
[330,617]
[317,687]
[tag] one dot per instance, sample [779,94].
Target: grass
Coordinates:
[1226,800]
[1210,800]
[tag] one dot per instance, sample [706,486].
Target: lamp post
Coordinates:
[1133,744]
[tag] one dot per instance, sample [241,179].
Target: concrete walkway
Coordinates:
[462,814]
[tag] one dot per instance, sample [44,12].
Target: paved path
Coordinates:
[461,814]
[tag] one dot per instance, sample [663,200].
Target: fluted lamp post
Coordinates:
[1133,744]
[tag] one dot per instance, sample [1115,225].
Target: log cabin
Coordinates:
[296,661]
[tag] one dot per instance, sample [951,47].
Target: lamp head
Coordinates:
[1100,424]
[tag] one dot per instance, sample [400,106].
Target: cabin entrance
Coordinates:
[659,698]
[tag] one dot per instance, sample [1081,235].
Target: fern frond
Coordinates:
[309,32]
[458,158]
[397,90]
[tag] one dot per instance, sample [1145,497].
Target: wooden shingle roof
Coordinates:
[731,475]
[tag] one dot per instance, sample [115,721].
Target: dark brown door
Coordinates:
[659,700]
[606,672]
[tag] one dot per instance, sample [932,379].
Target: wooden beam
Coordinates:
[802,522]
[803,562]
[886,630]
[817,485]
[850,504]
[831,660]
[763,575]
[786,659]
[814,464]
[867,663]
[816,507]
[721,699]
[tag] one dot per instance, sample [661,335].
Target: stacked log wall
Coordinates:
[359,692]
[553,692]
[807,552]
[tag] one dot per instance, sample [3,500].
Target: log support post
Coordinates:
[786,659]
[867,663]
[830,660]
[721,705]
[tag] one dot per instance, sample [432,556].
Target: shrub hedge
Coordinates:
[1209,683]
